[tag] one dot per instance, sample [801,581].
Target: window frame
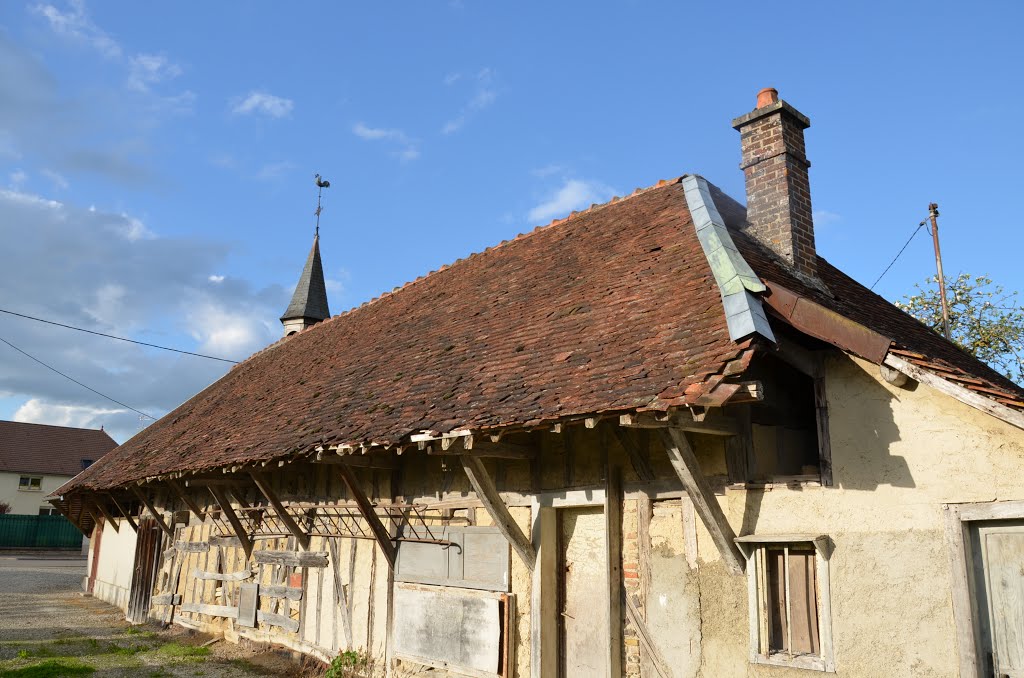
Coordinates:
[29,487]
[754,549]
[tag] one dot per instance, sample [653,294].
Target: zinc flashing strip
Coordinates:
[737,282]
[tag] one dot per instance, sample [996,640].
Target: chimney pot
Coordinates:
[767,96]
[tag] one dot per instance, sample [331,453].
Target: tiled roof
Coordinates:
[612,309]
[51,450]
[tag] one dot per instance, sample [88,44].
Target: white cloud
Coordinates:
[264,103]
[824,217]
[222,332]
[36,411]
[76,25]
[145,70]
[409,151]
[216,278]
[574,194]
[483,97]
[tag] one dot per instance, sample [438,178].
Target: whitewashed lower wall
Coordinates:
[116,565]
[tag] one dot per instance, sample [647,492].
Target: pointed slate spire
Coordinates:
[309,303]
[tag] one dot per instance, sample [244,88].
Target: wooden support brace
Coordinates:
[177,488]
[380,533]
[229,513]
[686,467]
[152,510]
[127,516]
[106,515]
[488,495]
[636,456]
[282,512]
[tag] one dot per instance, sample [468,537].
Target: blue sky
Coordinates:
[157,161]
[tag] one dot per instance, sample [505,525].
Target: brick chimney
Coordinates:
[778,192]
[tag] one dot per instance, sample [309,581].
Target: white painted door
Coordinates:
[583,623]
[999,566]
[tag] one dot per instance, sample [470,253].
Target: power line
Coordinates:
[75,380]
[111,336]
[919,226]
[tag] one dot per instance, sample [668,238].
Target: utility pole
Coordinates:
[933,214]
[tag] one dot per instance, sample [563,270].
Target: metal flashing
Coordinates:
[737,282]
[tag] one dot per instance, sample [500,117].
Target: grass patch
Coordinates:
[179,650]
[51,668]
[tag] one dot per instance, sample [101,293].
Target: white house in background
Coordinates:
[36,459]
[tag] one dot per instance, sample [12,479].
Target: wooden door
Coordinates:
[97,536]
[583,622]
[998,552]
[147,557]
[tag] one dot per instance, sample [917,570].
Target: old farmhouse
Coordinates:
[659,437]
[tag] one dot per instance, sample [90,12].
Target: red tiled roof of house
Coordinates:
[50,450]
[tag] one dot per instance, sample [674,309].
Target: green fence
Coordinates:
[55,532]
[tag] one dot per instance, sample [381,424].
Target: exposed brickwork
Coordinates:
[631,580]
[775,167]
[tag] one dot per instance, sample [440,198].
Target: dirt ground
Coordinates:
[50,629]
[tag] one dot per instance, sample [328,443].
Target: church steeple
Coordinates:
[309,303]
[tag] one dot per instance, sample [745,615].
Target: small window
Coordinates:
[30,483]
[790,616]
[86,463]
[44,511]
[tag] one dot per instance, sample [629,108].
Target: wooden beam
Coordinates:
[964,395]
[152,510]
[373,460]
[106,515]
[127,516]
[488,495]
[481,448]
[177,489]
[220,481]
[637,458]
[236,524]
[798,357]
[292,558]
[380,533]
[713,423]
[686,467]
[282,512]
[613,564]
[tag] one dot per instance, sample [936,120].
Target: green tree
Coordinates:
[984,319]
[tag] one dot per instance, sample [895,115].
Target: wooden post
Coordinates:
[236,524]
[149,506]
[380,533]
[613,542]
[261,482]
[686,467]
[183,495]
[127,516]
[488,495]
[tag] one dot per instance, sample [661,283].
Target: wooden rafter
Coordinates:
[711,424]
[229,513]
[152,510]
[126,514]
[380,533]
[488,495]
[182,494]
[282,512]
[106,514]
[686,467]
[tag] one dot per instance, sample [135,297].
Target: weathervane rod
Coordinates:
[321,185]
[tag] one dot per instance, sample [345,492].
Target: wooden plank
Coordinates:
[288,592]
[152,510]
[966,396]
[192,546]
[109,519]
[643,633]
[282,512]
[211,610]
[613,560]
[166,599]
[380,533]
[372,460]
[824,438]
[488,495]
[644,511]
[340,599]
[637,458]
[686,467]
[286,623]
[739,449]
[229,512]
[182,494]
[291,558]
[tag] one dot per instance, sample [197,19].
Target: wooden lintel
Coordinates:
[637,458]
[182,494]
[704,502]
[213,482]
[126,514]
[711,424]
[488,495]
[483,448]
[380,533]
[282,512]
[373,460]
[106,515]
[798,357]
[229,513]
[152,510]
